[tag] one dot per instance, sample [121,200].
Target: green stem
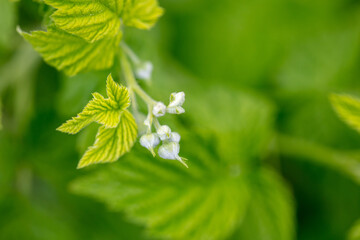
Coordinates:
[336,160]
[131,81]
[130,53]
[156,124]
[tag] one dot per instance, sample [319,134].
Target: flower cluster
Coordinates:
[170,146]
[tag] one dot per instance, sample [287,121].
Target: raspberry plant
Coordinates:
[87,35]
[227,193]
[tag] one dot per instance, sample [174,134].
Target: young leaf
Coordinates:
[91,20]
[111,143]
[73,54]
[141,14]
[348,108]
[104,111]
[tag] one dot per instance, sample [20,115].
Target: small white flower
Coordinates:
[175,110]
[176,99]
[175,137]
[164,132]
[150,141]
[144,70]
[170,150]
[159,109]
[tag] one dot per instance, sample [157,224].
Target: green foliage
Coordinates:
[112,143]
[348,108]
[236,120]
[257,99]
[215,191]
[175,203]
[90,20]
[7,19]
[119,130]
[73,54]
[1,126]
[271,210]
[86,34]
[141,14]
[103,111]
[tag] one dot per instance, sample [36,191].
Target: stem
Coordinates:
[156,123]
[130,53]
[336,160]
[131,81]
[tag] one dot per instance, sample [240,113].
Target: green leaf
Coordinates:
[354,233]
[141,14]
[73,54]
[91,20]
[206,201]
[111,143]
[348,109]
[271,211]
[104,111]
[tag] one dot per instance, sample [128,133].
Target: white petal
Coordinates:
[177,99]
[164,132]
[159,109]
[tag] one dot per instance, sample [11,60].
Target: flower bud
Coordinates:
[170,150]
[144,70]
[150,141]
[164,132]
[175,137]
[177,99]
[175,110]
[159,109]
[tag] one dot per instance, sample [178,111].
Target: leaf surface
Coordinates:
[141,14]
[104,111]
[271,210]
[234,118]
[73,54]
[90,20]
[111,143]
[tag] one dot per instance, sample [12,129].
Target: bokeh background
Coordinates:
[262,139]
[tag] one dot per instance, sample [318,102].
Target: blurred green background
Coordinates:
[269,159]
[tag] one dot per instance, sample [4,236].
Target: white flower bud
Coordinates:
[144,70]
[170,150]
[177,99]
[150,141]
[164,132]
[175,137]
[159,109]
[175,110]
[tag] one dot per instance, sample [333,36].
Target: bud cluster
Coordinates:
[174,107]
[170,147]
